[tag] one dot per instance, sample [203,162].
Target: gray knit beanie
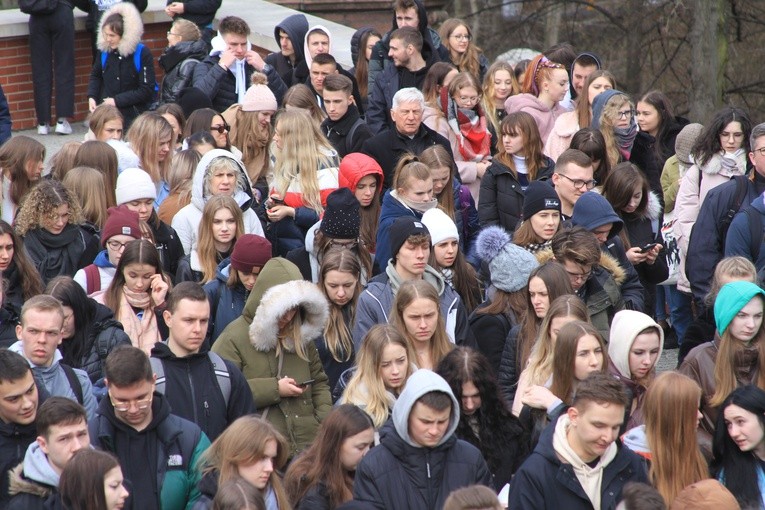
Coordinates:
[509,264]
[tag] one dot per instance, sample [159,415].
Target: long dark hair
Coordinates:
[31,283]
[139,251]
[663,105]
[362,64]
[501,432]
[321,462]
[464,279]
[708,143]
[739,469]
[591,142]
[69,292]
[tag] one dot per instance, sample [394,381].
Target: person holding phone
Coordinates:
[280,361]
[628,190]
[137,295]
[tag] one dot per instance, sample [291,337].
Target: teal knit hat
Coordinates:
[731,299]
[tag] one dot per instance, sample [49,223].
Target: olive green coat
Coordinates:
[250,342]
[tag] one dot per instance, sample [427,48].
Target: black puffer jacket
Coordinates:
[8,321]
[168,244]
[105,333]
[509,373]
[14,440]
[399,473]
[490,331]
[500,200]
[132,89]
[179,62]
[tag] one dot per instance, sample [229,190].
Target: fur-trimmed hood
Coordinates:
[133,28]
[278,300]
[653,210]
[607,262]
[714,166]
[18,484]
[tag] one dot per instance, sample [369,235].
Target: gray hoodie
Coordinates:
[421,382]
[37,467]
[55,381]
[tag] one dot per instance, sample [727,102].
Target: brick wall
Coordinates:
[16,74]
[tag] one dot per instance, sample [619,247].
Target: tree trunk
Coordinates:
[552,24]
[709,53]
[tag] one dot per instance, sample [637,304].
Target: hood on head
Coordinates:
[421,382]
[354,167]
[592,210]
[132,28]
[422,18]
[295,26]
[277,301]
[600,102]
[356,41]
[197,186]
[306,54]
[626,326]
[278,270]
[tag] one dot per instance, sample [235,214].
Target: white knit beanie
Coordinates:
[134,184]
[440,226]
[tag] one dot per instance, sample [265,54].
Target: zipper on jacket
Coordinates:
[193,396]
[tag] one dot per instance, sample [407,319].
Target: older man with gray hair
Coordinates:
[408,134]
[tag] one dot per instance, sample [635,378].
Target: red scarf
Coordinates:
[473,139]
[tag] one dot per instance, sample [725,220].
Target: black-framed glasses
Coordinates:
[626,114]
[579,277]
[222,128]
[116,245]
[580,183]
[462,37]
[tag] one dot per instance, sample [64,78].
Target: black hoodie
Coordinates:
[295,26]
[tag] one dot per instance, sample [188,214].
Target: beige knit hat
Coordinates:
[259,97]
[685,141]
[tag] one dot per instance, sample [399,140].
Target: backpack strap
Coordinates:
[742,190]
[755,231]
[159,370]
[222,375]
[104,55]
[92,278]
[136,58]
[351,132]
[74,383]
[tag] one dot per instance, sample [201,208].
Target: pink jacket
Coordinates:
[562,132]
[691,195]
[531,104]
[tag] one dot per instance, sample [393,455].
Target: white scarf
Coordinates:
[589,478]
[241,79]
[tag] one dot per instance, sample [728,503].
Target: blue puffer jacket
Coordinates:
[226,303]
[391,209]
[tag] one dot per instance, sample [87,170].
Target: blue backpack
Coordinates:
[136,63]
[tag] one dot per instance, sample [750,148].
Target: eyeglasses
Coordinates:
[222,128]
[123,406]
[350,244]
[579,183]
[462,37]
[471,99]
[761,151]
[579,277]
[116,245]
[626,114]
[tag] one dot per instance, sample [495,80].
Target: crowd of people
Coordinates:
[417,283]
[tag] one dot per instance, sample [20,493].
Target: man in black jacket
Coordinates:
[62,425]
[289,34]
[578,464]
[200,386]
[408,134]
[224,75]
[420,461]
[344,127]
[18,410]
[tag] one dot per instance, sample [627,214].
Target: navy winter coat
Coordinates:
[226,303]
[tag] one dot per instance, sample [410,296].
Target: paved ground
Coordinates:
[54,142]
[668,360]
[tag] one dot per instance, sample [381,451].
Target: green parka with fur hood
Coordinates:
[250,342]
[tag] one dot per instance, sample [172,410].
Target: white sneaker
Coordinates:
[63,127]
[42,129]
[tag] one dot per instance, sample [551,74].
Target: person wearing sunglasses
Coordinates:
[207,119]
[135,424]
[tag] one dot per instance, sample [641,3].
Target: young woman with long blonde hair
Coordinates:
[672,415]
[220,227]
[88,184]
[498,85]
[417,315]
[102,157]
[305,173]
[539,370]
[251,449]
[613,113]
[384,364]
[151,138]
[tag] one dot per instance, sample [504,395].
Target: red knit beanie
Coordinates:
[121,221]
[250,251]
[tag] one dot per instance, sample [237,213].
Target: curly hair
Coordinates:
[502,436]
[40,203]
